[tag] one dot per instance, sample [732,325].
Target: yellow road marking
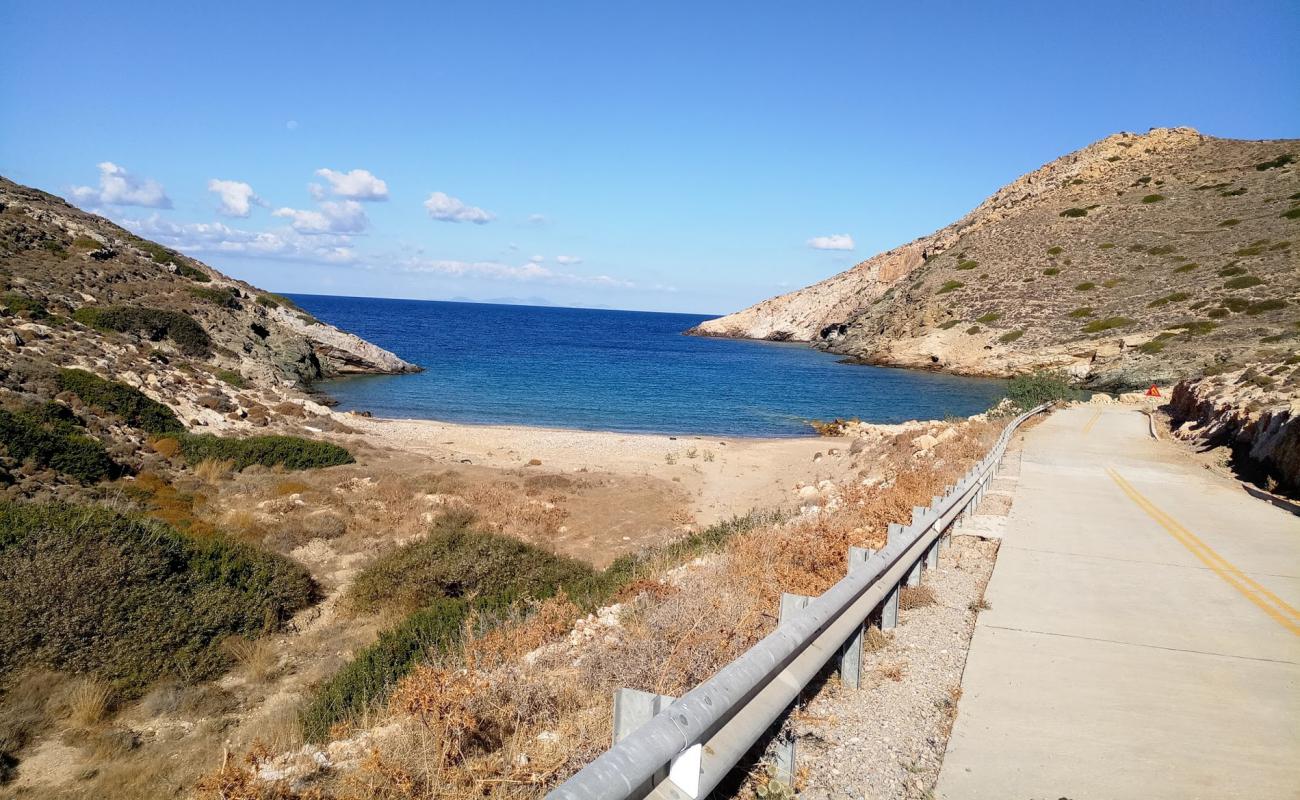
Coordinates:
[1087,428]
[1274,606]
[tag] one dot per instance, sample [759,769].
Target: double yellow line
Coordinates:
[1274,606]
[1087,427]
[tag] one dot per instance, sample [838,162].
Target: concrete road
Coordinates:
[1143,639]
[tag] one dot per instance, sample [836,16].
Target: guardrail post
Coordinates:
[791,603]
[632,709]
[783,759]
[944,536]
[889,608]
[851,653]
[919,516]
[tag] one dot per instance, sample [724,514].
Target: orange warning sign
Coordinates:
[1153,391]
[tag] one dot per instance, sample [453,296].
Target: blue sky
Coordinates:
[661,156]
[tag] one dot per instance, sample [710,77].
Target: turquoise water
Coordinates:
[618,370]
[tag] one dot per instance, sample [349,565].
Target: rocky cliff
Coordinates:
[1138,258]
[78,291]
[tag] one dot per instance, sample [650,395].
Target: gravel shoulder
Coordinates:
[887,739]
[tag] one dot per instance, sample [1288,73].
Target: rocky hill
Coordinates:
[78,291]
[1139,258]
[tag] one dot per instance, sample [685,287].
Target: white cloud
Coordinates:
[205,238]
[530,271]
[237,198]
[358,184]
[292,124]
[330,217]
[538,219]
[836,241]
[119,188]
[446,208]
[566,260]
[537,259]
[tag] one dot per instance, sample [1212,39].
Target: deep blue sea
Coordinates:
[618,371]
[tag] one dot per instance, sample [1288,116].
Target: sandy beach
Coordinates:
[622,490]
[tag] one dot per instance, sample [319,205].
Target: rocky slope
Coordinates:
[78,291]
[1138,258]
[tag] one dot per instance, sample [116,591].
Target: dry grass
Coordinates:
[257,658]
[212,470]
[526,703]
[88,702]
[893,671]
[875,640]
[910,597]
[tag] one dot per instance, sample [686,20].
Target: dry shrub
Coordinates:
[244,522]
[894,671]
[910,597]
[166,447]
[212,470]
[256,657]
[88,702]
[237,780]
[485,724]
[24,713]
[875,640]
[543,622]
[285,488]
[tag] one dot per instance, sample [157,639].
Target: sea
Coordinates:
[630,371]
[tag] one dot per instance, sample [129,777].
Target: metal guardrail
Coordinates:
[700,737]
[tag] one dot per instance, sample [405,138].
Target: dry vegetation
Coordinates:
[517,706]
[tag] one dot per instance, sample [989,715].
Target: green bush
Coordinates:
[52,437]
[155,251]
[502,570]
[1106,324]
[85,589]
[371,675]
[193,273]
[1193,327]
[20,304]
[992,316]
[1236,304]
[1112,158]
[1280,161]
[1187,267]
[1055,251]
[1264,306]
[967,264]
[1153,198]
[224,296]
[1242,282]
[952,323]
[1036,388]
[266,300]
[1174,297]
[1292,213]
[133,406]
[231,377]
[1051,271]
[1106,246]
[1229,223]
[290,452]
[1253,249]
[1111,283]
[1217,313]
[972,330]
[456,560]
[1080,313]
[949,286]
[1161,250]
[1232,269]
[1075,212]
[1011,336]
[1086,286]
[152,323]
[1152,347]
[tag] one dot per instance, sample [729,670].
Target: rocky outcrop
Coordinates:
[1236,413]
[343,353]
[1138,259]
